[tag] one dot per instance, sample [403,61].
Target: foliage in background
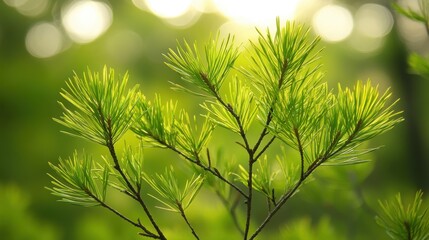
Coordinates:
[16,221]
[418,64]
[305,229]
[401,222]
[410,222]
[422,15]
[278,98]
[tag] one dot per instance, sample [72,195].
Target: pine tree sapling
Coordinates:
[275,99]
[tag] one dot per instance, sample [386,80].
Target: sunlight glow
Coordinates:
[204,6]
[85,21]
[184,21]
[44,40]
[333,23]
[255,12]
[169,8]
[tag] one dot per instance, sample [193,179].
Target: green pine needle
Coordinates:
[173,197]
[421,16]
[131,164]
[419,65]
[206,71]
[190,139]
[401,222]
[241,101]
[156,122]
[103,106]
[76,182]
[277,60]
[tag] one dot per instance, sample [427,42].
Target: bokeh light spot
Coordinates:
[373,20]
[333,23]
[169,8]
[44,40]
[141,4]
[366,45]
[206,6]
[30,8]
[184,21]
[85,21]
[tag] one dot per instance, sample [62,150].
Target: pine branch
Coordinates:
[135,192]
[330,152]
[137,224]
[283,87]
[405,222]
[182,213]
[198,163]
[230,109]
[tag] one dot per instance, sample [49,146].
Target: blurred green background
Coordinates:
[43,41]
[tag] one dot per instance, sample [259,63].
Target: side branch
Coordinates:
[198,163]
[230,109]
[250,197]
[300,149]
[182,213]
[146,232]
[330,152]
[135,192]
[270,113]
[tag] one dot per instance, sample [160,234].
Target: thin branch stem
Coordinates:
[250,197]
[229,108]
[182,213]
[251,152]
[211,170]
[264,148]
[198,163]
[264,133]
[271,111]
[146,233]
[301,151]
[110,145]
[330,152]
[408,228]
[135,192]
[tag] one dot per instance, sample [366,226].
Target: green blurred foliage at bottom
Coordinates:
[16,221]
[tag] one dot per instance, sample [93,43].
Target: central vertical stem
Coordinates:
[249,195]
